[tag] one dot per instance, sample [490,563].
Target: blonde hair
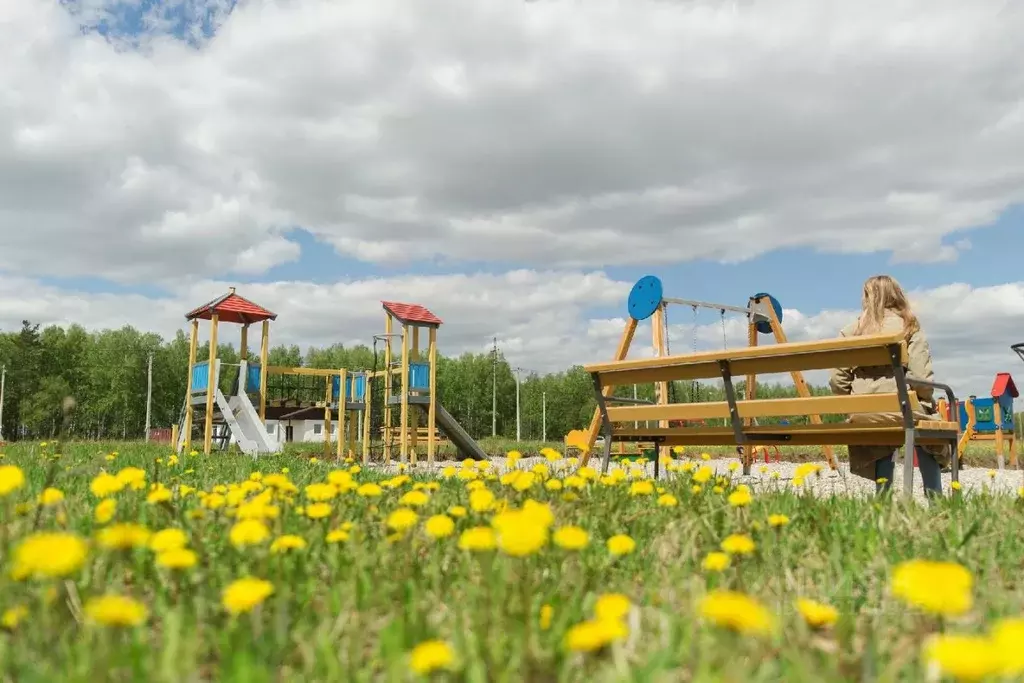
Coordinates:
[881,294]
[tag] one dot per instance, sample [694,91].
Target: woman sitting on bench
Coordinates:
[885,309]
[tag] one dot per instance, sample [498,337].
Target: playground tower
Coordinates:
[409,379]
[204,376]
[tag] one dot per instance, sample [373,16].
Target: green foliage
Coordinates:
[104,375]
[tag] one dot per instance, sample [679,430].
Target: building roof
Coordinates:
[1004,383]
[232,308]
[411,314]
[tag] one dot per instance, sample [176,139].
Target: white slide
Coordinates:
[246,426]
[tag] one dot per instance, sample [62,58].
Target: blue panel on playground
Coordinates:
[644,298]
[765,327]
[253,374]
[419,376]
[357,388]
[984,415]
[200,376]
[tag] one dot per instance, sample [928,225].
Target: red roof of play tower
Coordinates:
[1003,384]
[411,314]
[232,308]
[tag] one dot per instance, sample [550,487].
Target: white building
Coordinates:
[300,431]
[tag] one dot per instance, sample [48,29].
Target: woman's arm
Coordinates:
[919,365]
[841,381]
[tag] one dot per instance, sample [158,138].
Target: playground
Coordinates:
[681,538]
[389,414]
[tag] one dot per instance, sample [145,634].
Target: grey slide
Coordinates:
[456,434]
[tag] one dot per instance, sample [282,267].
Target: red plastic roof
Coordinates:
[232,308]
[411,314]
[1003,384]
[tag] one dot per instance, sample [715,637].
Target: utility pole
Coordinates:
[544,416]
[494,389]
[149,392]
[3,382]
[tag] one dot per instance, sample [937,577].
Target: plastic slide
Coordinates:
[456,434]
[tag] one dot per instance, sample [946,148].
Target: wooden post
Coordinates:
[404,417]
[367,414]
[327,416]
[388,377]
[798,380]
[211,386]
[193,349]
[750,393]
[661,389]
[414,417]
[342,400]
[998,437]
[432,410]
[243,345]
[595,422]
[264,361]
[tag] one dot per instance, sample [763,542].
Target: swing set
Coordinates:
[646,300]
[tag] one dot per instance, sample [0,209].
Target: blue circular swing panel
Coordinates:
[644,298]
[765,327]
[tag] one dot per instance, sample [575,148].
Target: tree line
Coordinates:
[69,383]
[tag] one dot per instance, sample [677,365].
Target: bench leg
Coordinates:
[606,425]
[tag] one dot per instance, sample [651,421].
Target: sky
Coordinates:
[516,167]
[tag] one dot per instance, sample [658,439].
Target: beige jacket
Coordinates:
[878,380]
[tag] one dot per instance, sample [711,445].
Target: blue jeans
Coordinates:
[931,473]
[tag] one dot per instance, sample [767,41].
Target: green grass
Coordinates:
[354,611]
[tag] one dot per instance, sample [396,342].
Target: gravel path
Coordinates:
[830,483]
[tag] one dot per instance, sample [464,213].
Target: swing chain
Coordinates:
[725,336]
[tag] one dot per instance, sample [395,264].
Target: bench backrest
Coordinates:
[843,352]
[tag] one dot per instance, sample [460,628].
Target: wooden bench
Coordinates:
[887,350]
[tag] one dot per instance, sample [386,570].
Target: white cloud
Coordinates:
[548,133]
[540,318]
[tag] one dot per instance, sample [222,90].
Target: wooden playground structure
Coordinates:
[260,392]
[988,419]
[409,383]
[340,396]
[647,300]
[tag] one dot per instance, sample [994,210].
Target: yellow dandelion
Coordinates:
[168,539]
[738,544]
[248,532]
[571,538]
[816,614]
[318,510]
[716,562]
[115,610]
[287,543]
[914,582]
[478,539]
[123,536]
[737,612]
[776,521]
[11,479]
[50,497]
[963,657]
[430,656]
[595,634]
[439,526]
[245,594]
[621,544]
[612,606]
[176,558]
[48,555]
